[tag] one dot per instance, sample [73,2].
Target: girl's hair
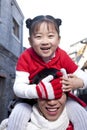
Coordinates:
[36,21]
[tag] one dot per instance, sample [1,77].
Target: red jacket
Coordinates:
[30,62]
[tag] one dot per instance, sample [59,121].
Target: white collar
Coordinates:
[43,124]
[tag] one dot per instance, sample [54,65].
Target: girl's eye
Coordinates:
[38,36]
[51,36]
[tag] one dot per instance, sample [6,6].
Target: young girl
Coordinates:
[43,53]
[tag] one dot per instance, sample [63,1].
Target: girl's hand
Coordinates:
[71,82]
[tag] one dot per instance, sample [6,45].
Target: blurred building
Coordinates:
[78,52]
[11,46]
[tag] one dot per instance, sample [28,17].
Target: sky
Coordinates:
[72,13]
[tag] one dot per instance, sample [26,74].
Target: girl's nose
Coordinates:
[45,40]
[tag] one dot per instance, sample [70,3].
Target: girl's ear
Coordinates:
[30,41]
[60,37]
[59,40]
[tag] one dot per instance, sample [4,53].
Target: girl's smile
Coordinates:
[45,40]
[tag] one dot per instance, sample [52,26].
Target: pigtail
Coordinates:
[31,23]
[58,21]
[28,23]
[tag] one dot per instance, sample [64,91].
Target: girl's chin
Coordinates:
[47,57]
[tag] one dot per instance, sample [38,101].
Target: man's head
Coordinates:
[51,109]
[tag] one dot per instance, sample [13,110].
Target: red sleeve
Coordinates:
[22,64]
[81,102]
[67,62]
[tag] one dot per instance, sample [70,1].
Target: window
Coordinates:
[0,8]
[2,98]
[15,28]
[2,86]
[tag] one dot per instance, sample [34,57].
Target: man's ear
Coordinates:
[30,41]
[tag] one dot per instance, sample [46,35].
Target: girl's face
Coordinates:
[45,40]
[52,109]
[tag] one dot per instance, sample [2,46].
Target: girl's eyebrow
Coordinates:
[37,33]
